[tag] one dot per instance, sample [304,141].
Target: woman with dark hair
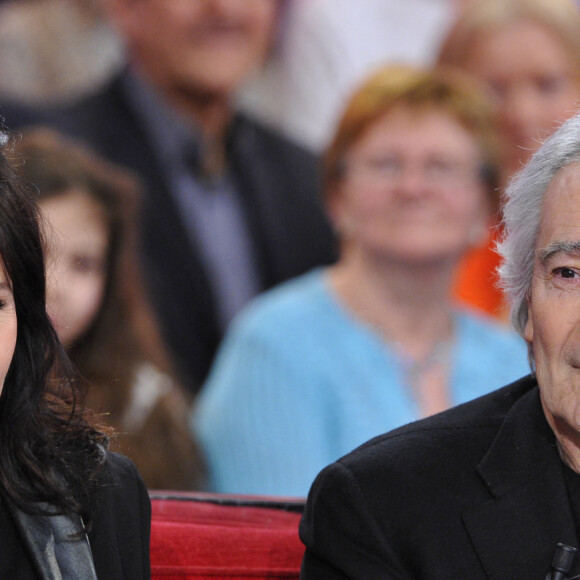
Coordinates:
[68,508]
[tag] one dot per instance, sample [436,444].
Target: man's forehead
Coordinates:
[559,227]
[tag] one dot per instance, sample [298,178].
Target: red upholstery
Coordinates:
[199,536]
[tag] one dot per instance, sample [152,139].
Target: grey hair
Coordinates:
[522,208]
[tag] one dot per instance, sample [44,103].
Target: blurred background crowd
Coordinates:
[270,224]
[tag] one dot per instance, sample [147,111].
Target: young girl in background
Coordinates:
[97,305]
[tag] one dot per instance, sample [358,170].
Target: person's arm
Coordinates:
[121,528]
[342,534]
[261,416]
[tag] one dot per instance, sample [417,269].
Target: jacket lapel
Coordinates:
[515,533]
[58,544]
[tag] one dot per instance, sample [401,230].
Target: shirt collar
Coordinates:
[172,133]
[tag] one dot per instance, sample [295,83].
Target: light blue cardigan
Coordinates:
[299,382]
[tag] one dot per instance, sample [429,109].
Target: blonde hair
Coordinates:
[561,17]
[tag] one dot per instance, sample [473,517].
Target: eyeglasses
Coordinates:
[437,171]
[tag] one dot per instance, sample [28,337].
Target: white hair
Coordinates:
[522,209]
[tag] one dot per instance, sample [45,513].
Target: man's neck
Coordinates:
[213,118]
[210,113]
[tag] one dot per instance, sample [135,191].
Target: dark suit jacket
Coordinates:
[119,538]
[121,528]
[475,492]
[278,183]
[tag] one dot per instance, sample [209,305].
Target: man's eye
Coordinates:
[566,273]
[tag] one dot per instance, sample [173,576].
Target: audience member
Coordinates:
[486,490]
[68,509]
[320,364]
[527,53]
[231,208]
[95,300]
[328,47]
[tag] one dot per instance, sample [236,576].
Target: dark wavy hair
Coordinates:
[49,449]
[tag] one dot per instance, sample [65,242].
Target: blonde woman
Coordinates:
[526,54]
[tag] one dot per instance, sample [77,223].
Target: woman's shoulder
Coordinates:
[290,304]
[483,328]
[121,520]
[150,388]
[156,433]
[118,472]
[119,492]
[487,344]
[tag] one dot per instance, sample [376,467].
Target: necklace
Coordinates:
[414,369]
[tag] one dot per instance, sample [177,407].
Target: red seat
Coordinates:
[197,536]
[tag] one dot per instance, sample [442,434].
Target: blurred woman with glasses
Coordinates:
[322,363]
